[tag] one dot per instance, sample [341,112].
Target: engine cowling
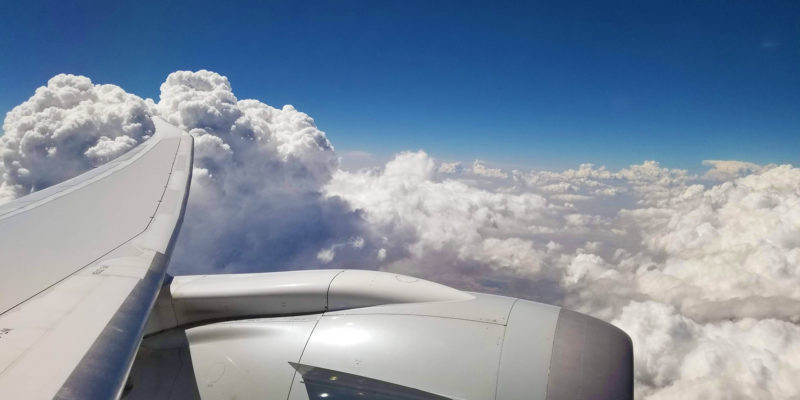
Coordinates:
[373,335]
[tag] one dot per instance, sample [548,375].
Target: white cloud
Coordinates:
[480,168]
[326,255]
[108,149]
[688,270]
[723,170]
[703,276]
[255,202]
[676,357]
[450,168]
[65,128]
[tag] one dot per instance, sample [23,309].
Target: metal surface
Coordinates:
[85,298]
[248,359]
[478,307]
[591,359]
[479,347]
[444,356]
[527,347]
[215,297]
[359,288]
[55,237]
[103,370]
[196,299]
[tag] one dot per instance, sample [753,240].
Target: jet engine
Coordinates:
[353,334]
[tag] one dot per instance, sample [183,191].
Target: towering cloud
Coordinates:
[256,201]
[65,128]
[702,271]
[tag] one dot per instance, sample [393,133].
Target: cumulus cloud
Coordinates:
[65,128]
[480,168]
[704,277]
[723,170]
[702,271]
[256,201]
[108,149]
[677,358]
[450,168]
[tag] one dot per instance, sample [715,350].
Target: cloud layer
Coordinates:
[704,278]
[702,271]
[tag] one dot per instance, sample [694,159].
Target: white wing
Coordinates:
[81,264]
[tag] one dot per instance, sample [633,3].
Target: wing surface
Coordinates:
[81,263]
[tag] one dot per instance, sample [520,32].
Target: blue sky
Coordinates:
[517,84]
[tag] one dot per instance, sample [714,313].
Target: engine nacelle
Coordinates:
[346,334]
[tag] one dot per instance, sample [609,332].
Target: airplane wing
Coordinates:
[81,264]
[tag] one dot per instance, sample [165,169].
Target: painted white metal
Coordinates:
[416,343]
[209,297]
[82,224]
[449,357]
[446,350]
[102,231]
[248,359]
[459,345]
[478,307]
[360,288]
[68,185]
[528,344]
